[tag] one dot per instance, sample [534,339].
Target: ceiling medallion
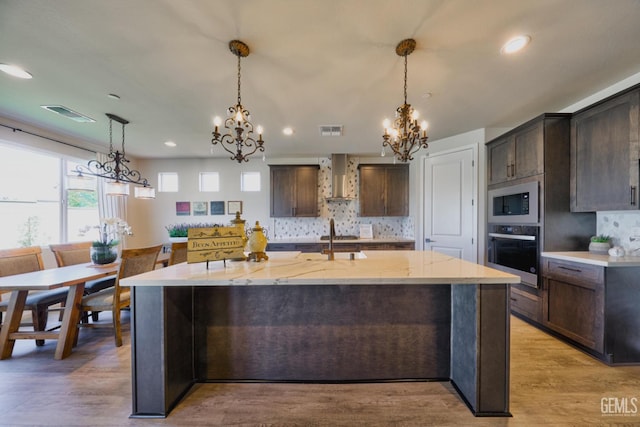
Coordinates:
[239,134]
[405,136]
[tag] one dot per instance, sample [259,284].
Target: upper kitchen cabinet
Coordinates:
[517,154]
[294,190]
[384,190]
[605,151]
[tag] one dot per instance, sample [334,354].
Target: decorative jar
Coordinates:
[104,254]
[257,239]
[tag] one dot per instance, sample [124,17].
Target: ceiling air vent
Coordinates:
[331,130]
[68,113]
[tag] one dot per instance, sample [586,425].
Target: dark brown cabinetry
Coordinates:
[594,308]
[526,302]
[538,151]
[384,190]
[294,190]
[605,153]
[518,154]
[574,301]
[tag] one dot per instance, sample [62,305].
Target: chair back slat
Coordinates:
[178,253]
[132,262]
[20,260]
[71,253]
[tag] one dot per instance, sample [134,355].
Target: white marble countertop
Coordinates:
[295,268]
[595,259]
[337,242]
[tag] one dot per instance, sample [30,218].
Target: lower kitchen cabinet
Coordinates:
[574,301]
[594,307]
[526,302]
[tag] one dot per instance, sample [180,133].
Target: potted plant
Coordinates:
[600,244]
[104,250]
[179,232]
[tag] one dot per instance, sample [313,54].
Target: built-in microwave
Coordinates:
[516,204]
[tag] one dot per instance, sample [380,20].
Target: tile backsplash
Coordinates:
[622,226]
[344,213]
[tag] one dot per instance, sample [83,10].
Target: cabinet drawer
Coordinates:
[573,272]
[527,304]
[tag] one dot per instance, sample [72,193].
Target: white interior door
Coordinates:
[449,206]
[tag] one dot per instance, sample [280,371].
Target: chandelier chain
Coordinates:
[239,80]
[110,135]
[123,140]
[405,78]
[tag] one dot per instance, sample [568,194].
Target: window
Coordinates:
[209,181]
[46,206]
[168,182]
[250,181]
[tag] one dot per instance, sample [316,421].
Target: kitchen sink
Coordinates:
[317,256]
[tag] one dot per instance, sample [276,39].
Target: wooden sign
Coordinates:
[215,244]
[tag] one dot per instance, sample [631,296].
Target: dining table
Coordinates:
[73,277]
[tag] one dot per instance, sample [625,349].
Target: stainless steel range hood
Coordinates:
[339,189]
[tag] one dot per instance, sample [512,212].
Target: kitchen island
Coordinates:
[383,316]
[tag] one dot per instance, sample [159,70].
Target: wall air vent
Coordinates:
[331,130]
[68,113]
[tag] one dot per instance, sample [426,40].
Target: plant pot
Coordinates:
[104,254]
[599,248]
[178,239]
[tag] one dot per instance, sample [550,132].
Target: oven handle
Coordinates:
[513,236]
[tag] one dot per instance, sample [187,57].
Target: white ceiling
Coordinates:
[312,63]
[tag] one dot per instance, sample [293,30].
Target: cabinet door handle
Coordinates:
[508,169]
[575,270]
[633,195]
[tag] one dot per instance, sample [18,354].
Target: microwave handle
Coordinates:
[513,236]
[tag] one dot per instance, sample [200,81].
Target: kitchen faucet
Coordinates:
[332,235]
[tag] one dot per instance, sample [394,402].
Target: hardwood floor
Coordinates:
[552,384]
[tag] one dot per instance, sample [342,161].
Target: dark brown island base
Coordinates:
[384,316]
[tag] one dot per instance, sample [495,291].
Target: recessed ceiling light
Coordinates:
[515,44]
[170,144]
[15,71]
[287,131]
[113,96]
[427,95]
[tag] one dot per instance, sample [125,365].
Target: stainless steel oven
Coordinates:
[515,249]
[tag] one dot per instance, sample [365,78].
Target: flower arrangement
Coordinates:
[110,231]
[181,230]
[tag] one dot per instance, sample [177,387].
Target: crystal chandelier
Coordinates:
[405,136]
[116,171]
[239,134]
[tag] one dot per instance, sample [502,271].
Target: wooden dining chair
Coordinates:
[114,299]
[80,253]
[178,253]
[26,260]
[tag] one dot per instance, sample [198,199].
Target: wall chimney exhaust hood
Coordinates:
[339,179]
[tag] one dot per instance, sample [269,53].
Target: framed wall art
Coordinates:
[234,206]
[217,208]
[183,208]
[200,208]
